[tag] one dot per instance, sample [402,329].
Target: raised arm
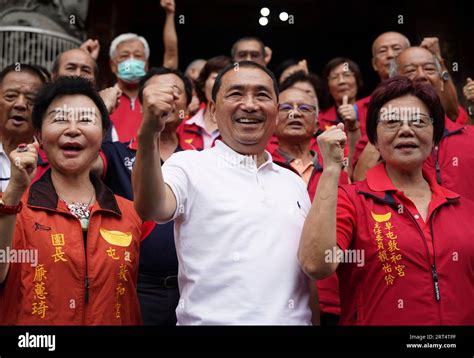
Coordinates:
[170,37]
[23,168]
[153,199]
[448,96]
[92,47]
[369,158]
[319,230]
[348,114]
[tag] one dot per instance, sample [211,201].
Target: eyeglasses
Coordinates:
[394,121]
[302,108]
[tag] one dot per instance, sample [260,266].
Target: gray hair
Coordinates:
[393,70]
[128,37]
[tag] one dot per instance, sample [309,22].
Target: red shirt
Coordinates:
[273,144]
[328,289]
[463,118]
[330,117]
[127,118]
[192,134]
[414,272]
[452,160]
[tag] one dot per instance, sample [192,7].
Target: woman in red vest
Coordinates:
[71,245]
[401,243]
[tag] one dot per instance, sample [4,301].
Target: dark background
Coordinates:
[322,29]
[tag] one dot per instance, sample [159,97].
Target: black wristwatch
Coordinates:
[470,111]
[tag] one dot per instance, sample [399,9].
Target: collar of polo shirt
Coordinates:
[234,158]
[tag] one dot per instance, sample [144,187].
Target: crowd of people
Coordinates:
[230,195]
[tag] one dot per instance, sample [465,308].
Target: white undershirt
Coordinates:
[4,169]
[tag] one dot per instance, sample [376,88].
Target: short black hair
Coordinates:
[24,67]
[242,64]
[63,86]
[400,86]
[233,50]
[57,61]
[157,71]
[46,74]
[283,66]
[214,64]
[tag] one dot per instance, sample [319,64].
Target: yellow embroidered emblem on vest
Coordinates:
[381,218]
[117,238]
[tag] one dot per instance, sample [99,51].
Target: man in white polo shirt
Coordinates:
[238,216]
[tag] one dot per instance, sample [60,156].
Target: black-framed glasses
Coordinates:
[302,108]
[394,121]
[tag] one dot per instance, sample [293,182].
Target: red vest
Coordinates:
[191,134]
[71,284]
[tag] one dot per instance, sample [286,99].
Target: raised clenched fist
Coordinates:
[23,165]
[158,107]
[331,144]
[111,96]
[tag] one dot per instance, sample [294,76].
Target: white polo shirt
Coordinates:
[4,169]
[237,232]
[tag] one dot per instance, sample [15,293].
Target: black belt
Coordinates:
[165,282]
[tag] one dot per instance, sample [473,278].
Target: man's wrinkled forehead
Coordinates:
[294,94]
[77,56]
[247,78]
[23,81]
[415,56]
[131,45]
[390,39]
[249,45]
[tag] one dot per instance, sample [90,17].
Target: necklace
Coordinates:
[80,210]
